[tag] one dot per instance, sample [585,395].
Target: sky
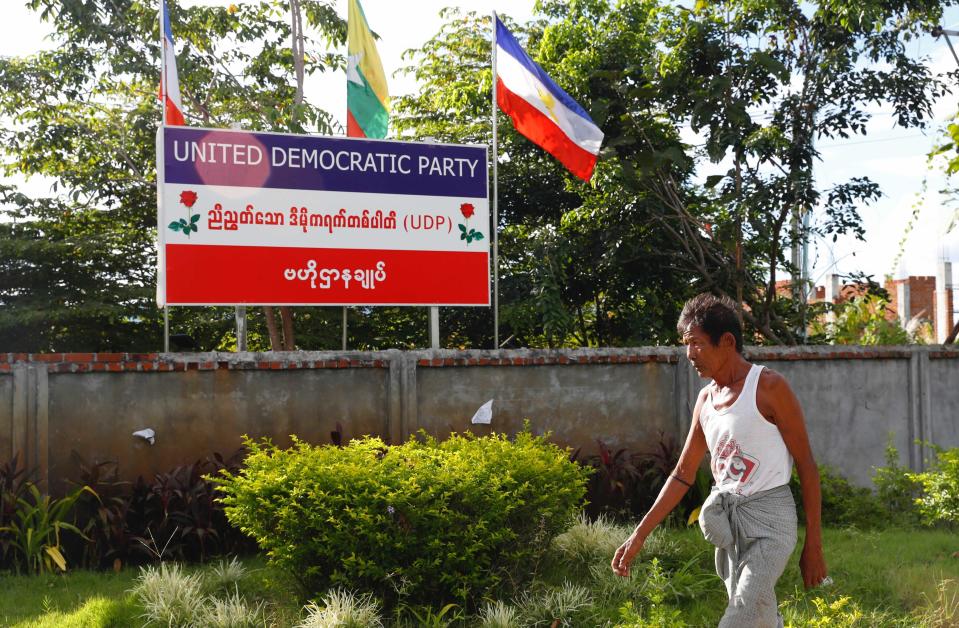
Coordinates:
[895,158]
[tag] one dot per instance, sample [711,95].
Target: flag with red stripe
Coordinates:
[541,110]
[169,82]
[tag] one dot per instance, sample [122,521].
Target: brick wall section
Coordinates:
[173,362]
[59,363]
[922,297]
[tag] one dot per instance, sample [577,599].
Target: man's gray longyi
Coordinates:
[754,538]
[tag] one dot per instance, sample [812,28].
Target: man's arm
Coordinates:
[669,496]
[777,402]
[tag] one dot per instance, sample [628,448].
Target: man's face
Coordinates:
[702,353]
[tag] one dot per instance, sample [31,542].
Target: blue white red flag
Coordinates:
[169,82]
[541,110]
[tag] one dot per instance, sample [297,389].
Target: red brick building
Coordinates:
[930,298]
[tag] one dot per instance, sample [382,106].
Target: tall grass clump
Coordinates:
[499,614]
[343,609]
[232,611]
[169,596]
[941,611]
[225,575]
[588,541]
[567,605]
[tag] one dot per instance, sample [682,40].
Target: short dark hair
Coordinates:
[714,315]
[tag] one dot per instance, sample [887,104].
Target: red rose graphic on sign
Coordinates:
[466,233]
[188,197]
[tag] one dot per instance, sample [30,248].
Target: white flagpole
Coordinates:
[164,85]
[163,92]
[495,206]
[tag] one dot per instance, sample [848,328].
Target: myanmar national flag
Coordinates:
[367,98]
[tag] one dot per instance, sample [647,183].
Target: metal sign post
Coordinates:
[434,327]
[241,328]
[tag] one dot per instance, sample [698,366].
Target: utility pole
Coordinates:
[938,30]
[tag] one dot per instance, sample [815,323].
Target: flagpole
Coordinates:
[495,206]
[163,77]
[163,90]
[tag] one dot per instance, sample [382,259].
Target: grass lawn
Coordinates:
[78,598]
[892,577]
[87,599]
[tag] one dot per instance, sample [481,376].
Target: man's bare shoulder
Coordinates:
[774,395]
[773,383]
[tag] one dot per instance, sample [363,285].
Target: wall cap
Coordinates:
[58,363]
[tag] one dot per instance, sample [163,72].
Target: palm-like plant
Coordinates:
[36,527]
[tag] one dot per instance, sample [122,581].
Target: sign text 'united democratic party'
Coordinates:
[326,159]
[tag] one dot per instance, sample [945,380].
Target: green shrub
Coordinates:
[842,612]
[658,613]
[896,488]
[843,504]
[422,522]
[938,502]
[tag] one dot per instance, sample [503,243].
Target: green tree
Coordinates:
[862,320]
[764,81]
[761,81]
[949,149]
[77,269]
[580,265]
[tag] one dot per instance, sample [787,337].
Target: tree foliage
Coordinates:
[863,320]
[762,82]
[580,264]
[759,82]
[78,267]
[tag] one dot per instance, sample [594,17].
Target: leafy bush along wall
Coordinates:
[416,523]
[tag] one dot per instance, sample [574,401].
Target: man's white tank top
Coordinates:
[748,452]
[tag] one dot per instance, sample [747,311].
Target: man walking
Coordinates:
[750,421]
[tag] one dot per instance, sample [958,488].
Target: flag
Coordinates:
[541,110]
[367,98]
[169,83]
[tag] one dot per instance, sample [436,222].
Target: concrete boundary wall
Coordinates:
[854,398]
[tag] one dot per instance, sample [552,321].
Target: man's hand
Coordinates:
[812,564]
[626,553]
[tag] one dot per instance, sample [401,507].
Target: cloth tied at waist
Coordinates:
[728,520]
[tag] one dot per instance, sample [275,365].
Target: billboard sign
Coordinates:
[279,219]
